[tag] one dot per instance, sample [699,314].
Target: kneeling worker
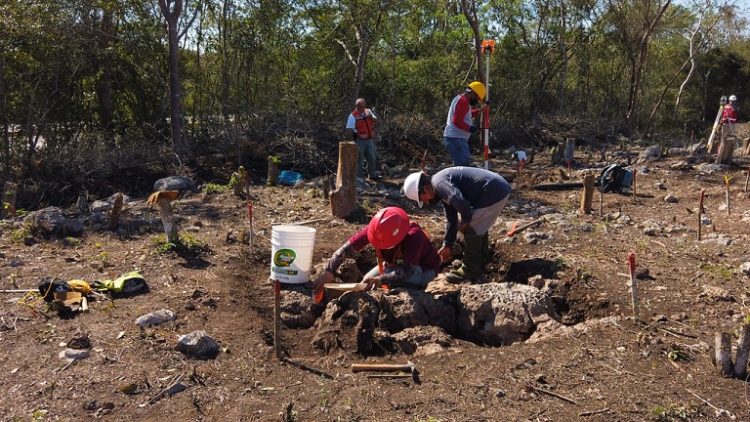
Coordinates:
[476,194]
[406,258]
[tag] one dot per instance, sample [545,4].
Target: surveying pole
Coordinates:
[488,47]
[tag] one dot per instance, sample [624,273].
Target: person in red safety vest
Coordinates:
[459,125]
[406,256]
[729,115]
[361,125]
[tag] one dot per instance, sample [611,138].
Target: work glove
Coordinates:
[473,129]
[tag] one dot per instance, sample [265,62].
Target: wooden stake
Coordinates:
[747,179]
[588,193]
[635,184]
[277,318]
[700,213]
[273,171]
[723,350]
[250,224]
[634,287]
[726,194]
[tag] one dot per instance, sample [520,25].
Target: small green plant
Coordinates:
[674,413]
[429,419]
[719,271]
[71,241]
[215,188]
[20,234]
[185,243]
[677,355]
[38,415]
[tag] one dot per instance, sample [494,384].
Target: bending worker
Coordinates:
[459,125]
[476,194]
[406,257]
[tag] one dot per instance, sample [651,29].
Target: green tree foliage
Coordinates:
[91,77]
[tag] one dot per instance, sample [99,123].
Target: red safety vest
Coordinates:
[363,124]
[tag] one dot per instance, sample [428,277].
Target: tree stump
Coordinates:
[743,352]
[344,197]
[723,350]
[163,199]
[570,149]
[556,155]
[10,193]
[114,214]
[587,196]
[746,146]
[724,156]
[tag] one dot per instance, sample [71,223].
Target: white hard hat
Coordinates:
[732,98]
[411,187]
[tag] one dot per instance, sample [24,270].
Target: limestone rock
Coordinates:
[671,199]
[180,183]
[498,314]
[52,221]
[298,310]
[413,338]
[155,318]
[198,344]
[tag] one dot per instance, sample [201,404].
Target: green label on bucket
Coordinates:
[284,257]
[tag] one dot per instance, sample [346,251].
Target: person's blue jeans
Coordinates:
[366,148]
[458,148]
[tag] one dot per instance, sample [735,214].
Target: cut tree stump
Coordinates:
[273,171]
[587,196]
[724,156]
[10,192]
[723,349]
[163,199]
[743,352]
[344,197]
[114,214]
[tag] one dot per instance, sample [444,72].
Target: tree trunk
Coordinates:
[469,9]
[172,16]
[344,197]
[4,119]
[105,82]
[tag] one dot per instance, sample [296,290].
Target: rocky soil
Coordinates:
[548,336]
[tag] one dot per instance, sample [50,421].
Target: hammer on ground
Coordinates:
[383,367]
[514,229]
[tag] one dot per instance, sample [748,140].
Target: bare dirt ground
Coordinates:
[607,367]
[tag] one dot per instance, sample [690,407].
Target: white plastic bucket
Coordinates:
[291,253]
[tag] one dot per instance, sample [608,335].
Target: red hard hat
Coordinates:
[388,228]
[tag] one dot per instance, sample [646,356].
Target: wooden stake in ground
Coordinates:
[273,170]
[634,287]
[163,199]
[250,225]
[10,192]
[635,184]
[726,194]
[344,197]
[747,179]
[277,318]
[114,214]
[588,193]
[700,213]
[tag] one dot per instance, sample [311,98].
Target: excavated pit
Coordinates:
[423,322]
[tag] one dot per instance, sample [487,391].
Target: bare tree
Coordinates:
[469,9]
[172,9]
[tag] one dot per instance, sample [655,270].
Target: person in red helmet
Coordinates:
[406,257]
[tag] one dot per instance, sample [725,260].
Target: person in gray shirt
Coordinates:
[477,196]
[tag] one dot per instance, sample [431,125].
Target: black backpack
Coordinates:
[614,178]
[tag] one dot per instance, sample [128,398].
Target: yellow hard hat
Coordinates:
[478,89]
